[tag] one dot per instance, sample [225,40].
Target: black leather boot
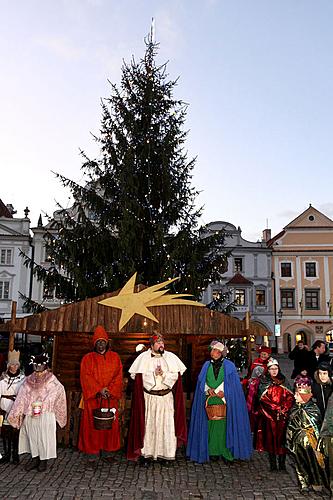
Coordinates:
[42,466]
[272,462]
[282,462]
[33,464]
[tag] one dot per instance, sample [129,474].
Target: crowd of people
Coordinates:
[229,417]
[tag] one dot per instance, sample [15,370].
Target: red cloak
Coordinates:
[99,371]
[136,431]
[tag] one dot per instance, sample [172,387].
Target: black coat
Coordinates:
[314,362]
[320,393]
[301,360]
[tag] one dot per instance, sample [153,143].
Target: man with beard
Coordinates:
[158,423]
[226,434]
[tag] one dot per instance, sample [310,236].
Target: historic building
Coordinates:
[303,275]
[14,276]
[247,281]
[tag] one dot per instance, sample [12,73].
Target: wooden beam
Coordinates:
[12,326]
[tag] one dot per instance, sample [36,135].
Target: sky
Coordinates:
[257,75]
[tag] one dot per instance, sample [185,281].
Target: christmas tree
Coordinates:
[136,209]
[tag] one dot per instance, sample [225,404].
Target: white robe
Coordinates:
[160,439]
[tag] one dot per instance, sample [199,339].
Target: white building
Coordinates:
[248,278]
[14,276]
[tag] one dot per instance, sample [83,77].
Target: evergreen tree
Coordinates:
[136,210]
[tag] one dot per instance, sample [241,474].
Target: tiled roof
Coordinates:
[239,279]
[4,212]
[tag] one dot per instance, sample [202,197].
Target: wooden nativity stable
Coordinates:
[187,329]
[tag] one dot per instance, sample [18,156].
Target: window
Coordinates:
[287,299]
[310,269]
[6,256]
[312,299]
[260,298]
[240,297]
[286,269]
[4,289]
[238,264]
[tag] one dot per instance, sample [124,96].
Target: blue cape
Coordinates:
[238,439]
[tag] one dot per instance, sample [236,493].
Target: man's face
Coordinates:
[273,370]
[101,346]
[39,368]
[321,348]
[323,376]
[264,356]
[215,354]
[13,368]
[300,345]
[158,347]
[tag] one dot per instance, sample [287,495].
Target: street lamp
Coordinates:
[280,314]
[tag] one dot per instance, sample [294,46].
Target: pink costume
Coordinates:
[38,432]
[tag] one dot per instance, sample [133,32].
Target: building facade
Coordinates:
[15,278]
[303,274]
[247,281]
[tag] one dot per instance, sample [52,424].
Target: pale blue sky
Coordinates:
[257,74]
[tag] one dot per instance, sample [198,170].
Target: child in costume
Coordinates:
[302,438]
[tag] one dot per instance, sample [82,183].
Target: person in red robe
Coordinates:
[101,379]
[275,402]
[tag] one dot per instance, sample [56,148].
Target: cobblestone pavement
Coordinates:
[71,477]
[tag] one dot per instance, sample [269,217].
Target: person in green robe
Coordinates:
[215,396]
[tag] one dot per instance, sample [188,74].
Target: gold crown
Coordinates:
[304,389]
[14,357]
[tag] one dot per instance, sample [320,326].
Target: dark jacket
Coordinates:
[314,362]
[301,360]
[321,392]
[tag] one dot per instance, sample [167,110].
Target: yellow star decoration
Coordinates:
[132,303]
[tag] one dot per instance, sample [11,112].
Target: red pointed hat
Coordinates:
[100,334]
[264,348]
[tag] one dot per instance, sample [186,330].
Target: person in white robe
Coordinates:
[39,406]
[10,384]
[160,371]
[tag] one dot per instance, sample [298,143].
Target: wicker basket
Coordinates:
[216,412]
[103,417]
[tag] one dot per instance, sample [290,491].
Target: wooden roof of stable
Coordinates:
[84,316]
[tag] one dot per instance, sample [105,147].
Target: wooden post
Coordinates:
[248,339]
[12,327]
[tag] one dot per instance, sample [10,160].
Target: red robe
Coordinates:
[99,371]
[274,407]
[136,431]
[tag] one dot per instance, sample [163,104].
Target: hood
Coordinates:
[317,379]
[99,334]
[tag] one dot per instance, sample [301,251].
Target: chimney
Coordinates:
[266,235]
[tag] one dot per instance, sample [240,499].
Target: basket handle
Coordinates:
[99,396]
[206,404]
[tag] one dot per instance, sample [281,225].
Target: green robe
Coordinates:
[217,429]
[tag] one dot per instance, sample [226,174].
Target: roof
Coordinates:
[4,211]
[239,279]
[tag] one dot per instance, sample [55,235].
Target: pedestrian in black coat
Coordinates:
[300,356]
[316,356]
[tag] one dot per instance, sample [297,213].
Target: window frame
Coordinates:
[6,252]
[240,292]
[3,287]
[263,292]
[282,264]
[316,292]
[287,290]
[309,263]
[236,267]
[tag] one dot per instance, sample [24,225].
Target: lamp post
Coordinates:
[280,314]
